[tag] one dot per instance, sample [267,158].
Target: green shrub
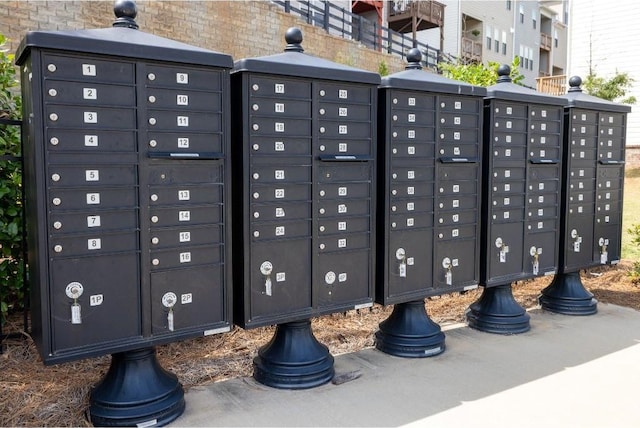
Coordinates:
[634,231]
[11,266]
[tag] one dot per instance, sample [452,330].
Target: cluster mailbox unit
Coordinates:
[126,174]
[591,229]
[521,199]
[430,132]
[304,203]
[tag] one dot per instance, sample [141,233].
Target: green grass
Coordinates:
[630,213]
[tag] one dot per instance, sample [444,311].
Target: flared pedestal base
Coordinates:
[293,359]
[136,391]
[409,332]
[496,311]
[566,295]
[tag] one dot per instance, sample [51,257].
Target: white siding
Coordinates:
[612,30]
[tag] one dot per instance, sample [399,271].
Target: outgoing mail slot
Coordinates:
[200,298]
[92,199]
[88,69]
[97,243]
[92,175]
[97,220]
[184,172]
[183,257]
[190,215]
[182,99]
[96,140]
[185,236]
[262,231]
[185,195]
[183,142]
[88,93]
[188,121]
[89,117]
[181,78]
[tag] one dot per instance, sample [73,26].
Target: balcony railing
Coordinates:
[471,50]
[545,41]
[428,14]
[340,22]
[552,85]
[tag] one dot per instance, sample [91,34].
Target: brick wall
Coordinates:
[632,157]
[242,29]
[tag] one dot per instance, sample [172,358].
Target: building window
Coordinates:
[504,48]
[496,37]
[508,4]
[521,14]
[534,18]
[504,43]
[555,38]
[488,32]
[497,45]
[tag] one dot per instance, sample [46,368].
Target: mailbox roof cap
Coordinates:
[294,62]
[413,78]
[577,98]
[504,89]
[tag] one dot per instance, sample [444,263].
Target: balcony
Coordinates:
[545,42]
[552,85]
[405,14]
[471,50]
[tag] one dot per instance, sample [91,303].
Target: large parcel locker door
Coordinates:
[304,199]
[430,150]
[126,180]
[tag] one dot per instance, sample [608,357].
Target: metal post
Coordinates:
[326,16]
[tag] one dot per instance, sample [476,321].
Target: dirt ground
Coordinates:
[34,395]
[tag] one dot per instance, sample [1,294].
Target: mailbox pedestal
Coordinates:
[592,193]
[430,129]
[304,204]
[127,194]
[520,208]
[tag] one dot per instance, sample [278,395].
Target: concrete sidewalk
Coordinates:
[566,372]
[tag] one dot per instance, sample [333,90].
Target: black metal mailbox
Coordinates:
[128,198]
[591,220]
[304,206]
[520,207]
[430,139]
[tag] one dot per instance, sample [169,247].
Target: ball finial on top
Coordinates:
[293,37]
[126,12]
[574,84]
[414,57]
[503,73]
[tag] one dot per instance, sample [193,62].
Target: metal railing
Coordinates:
[341,22]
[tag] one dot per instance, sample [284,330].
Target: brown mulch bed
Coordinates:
[34,395]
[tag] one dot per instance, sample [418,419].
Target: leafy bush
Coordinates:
[11,266]
[634,231]
[478,73]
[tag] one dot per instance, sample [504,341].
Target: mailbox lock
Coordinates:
[155,262]
[535,253]
[322,193]
[155,240]
[448,265]
[151,76]
[57,225]
[255,107]
[57,248]
[256,176]
[154,197]
[54,141]
[152,99]
[154,219]
[256,147]
[322,228]
[73,291]
[330,277]
[53,117]
[255,87]
[52,68]
[504,249]
[322,111]
[152,121]
[57,201]
[322,148]
[55,177]
[265,269]
[577,240]
[153,143]
[256,214]
[401,256]
[168,301]
[53,92]
[604,254]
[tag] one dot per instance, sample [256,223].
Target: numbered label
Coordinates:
[185,257]
[184,216]
[89,93]
[93,198]
[93,221]
[182,100]
[185,236]
[90,117]
[279,88]
[96,300]
[94,244]
[91,140]
[182,78]
[343,94]
[88,69]
[183,121]
[184,195]
[92,175]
